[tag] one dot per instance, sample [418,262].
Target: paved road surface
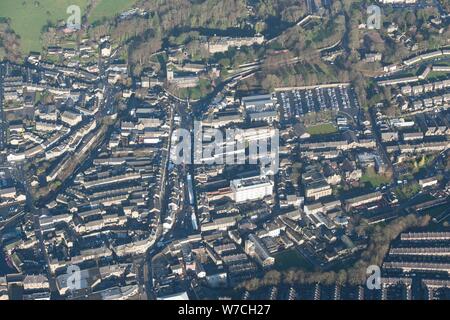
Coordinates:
[2,123]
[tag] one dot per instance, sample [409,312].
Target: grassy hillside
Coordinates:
[109,9]
[28,17]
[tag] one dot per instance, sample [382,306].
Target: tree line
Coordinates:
[380,238]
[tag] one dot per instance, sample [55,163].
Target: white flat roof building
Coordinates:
[253,188]
[428,182]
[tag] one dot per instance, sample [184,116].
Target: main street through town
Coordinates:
[3,123]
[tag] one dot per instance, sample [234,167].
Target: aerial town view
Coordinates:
[221,150]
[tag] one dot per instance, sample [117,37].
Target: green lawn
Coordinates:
[196,93]
[28,17]
[291,259]
[374,179]
[109,9]
[326,128]
[434,76]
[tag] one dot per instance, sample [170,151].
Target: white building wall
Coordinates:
[254,192]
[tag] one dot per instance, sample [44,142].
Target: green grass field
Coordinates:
[291,259]
[435,76]
[28,17]
[326,128]
[109,9]
[373,178]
